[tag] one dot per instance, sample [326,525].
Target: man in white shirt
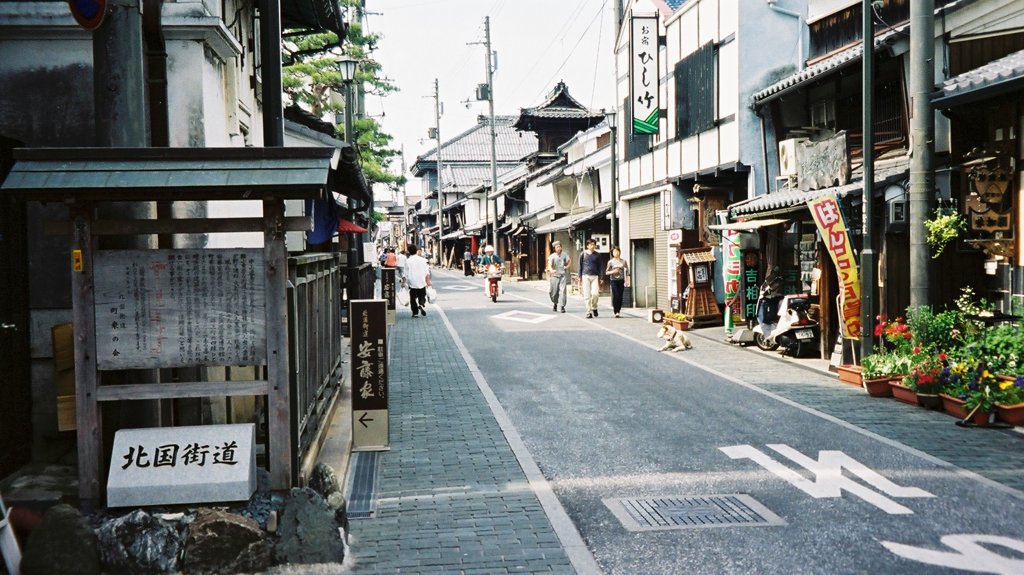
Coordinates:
[417,274]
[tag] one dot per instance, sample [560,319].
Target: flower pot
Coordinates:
[852,374]
[1012,414]
[955,407]
[929,400]
[878,387]
[902,393]
[681,325]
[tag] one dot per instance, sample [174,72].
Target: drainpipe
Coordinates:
[772,4]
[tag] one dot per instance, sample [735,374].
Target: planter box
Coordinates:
[929,401]
[852,374]
[1012,414]
[955,407]
[680,325]
[903,393]
[879,387]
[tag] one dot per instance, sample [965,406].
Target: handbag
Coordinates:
[431,294]
[403,296]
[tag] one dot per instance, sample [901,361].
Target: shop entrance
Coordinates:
[645,293]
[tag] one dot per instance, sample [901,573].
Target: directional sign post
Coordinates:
[369,360]
[387,291]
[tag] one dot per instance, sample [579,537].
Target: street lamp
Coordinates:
[610,117]
[347,68]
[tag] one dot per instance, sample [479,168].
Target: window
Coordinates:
[695,92]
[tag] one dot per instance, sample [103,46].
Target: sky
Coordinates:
[538,43]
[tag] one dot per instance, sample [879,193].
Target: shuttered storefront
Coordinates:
[645,224]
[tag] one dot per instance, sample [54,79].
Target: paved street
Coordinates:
[528,441]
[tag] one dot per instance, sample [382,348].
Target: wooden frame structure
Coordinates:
[83,178]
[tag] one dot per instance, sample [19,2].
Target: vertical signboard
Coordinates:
[643,74]
[829,220]
[369,359]
[751,283]
[387,291]
[732,269]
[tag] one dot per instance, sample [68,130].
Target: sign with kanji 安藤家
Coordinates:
[369,359]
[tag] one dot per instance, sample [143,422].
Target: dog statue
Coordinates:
[675,340]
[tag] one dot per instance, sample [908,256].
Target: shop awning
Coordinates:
[573,220]
[997,77]
[349,227]
[457,234]
[750,226]
[786,201]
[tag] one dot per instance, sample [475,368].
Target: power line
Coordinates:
[560,35]
[571,52]
[597,59]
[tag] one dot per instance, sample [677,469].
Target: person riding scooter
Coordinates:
[490,267]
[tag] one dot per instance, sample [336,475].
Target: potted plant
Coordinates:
[972,394]
[881,368]
[924,383]
[677,320]
[944,226]
[1009,400]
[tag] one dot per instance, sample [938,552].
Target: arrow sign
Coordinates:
[363,419]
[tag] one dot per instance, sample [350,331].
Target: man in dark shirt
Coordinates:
[590,271]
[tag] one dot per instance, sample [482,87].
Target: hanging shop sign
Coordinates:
[829,219]
[643,73]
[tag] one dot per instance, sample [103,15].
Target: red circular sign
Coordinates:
[88,13]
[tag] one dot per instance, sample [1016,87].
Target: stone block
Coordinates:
[174,465]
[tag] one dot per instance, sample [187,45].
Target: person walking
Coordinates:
[401,260]
[467,262]
[617,271]
[558,276]
[418,279]
[590,272]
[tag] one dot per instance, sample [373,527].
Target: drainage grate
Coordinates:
[362,484]
[680,512]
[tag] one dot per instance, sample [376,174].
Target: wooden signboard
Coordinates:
[178,308]
[369,375]
[388,285]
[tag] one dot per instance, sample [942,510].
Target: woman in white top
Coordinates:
[618,277]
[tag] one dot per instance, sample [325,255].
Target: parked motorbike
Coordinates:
[796,332]
[768,300]
[493,280]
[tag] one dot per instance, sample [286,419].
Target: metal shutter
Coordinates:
[643,217]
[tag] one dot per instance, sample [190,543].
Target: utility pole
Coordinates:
[489,61]
[867,254]
[922,144]
[440,172]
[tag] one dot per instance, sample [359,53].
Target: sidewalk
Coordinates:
[452,496]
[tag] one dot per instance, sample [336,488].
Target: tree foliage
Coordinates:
[311,79]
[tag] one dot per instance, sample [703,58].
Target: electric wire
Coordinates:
[597,59]
[571,52]
[560,35]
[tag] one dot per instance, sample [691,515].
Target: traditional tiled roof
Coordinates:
[474,144]
[559,105]
[996,77]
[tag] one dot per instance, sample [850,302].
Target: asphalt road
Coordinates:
[761,484]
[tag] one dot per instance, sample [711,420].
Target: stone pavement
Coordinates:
[452,497]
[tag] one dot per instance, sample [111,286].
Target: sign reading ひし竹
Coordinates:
[190,464]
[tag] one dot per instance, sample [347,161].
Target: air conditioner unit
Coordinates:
[789,163]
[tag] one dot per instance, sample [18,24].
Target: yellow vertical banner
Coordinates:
[829,219]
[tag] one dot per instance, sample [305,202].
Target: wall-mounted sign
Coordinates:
[180,308]
[643,73]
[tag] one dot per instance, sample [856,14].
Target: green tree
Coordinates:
[311,79]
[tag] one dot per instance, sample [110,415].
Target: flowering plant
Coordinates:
[945,226]
[880,364]
[973,383]
[1011,392]
[896,336]
[931,376]
[678,316]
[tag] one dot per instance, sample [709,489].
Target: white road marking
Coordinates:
[969,554]
[829,481]
[524,316]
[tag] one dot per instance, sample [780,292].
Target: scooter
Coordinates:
[493,281]
[796,332]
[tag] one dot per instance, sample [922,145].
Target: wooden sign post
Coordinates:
[369,375]
[388,287]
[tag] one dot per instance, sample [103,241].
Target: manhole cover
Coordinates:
[680,512]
